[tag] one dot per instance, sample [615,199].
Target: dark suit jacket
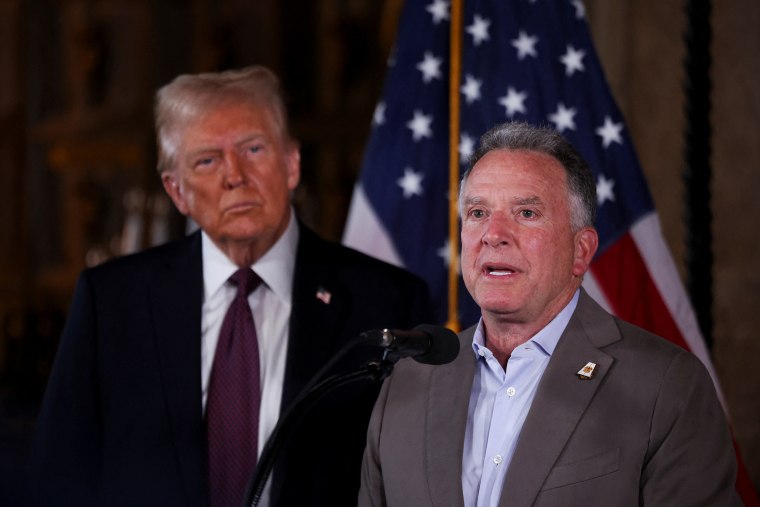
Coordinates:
[121,422]
[646,429]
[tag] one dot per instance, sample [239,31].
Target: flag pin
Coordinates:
[324,295]
[587,371]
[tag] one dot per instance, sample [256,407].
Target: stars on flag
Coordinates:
[573,60]
[580,9]
[439,9]
[466,147]
[420,125]
[410,182]
[479,29]
[604,190]
[378,117]
[513,102]
[444,252]
[515,65]
[610,132]
[525,45]
[392,58]
[430,67]
[471,89]
[563,118]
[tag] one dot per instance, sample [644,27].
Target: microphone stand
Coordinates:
[374,370]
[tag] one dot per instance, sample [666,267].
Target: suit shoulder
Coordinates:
[352,262]
[143,263]
[369,263]
[654,353]
[618,336]
[647,339]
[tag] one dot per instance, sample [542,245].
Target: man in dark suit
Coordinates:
[150,359]
[552,401]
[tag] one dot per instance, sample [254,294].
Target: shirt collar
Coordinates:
[547,338]
[275,267]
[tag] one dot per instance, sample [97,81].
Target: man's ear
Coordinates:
[173,190]
[586,243]
[293,163]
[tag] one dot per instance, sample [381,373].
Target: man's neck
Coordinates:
[503,333]
[245,253]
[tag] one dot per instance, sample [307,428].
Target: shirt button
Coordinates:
[497,459]
[511,391]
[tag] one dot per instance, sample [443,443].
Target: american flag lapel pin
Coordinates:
[324,295]
[587,371]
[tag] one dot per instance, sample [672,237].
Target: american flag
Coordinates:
[528,60]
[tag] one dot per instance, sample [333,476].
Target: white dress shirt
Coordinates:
[270,304]
[499,403]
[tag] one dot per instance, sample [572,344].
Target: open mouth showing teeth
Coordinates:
[499,271]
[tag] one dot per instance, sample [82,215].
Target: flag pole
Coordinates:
[455,66]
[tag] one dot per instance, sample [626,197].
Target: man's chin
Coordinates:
[249,232]
[499,307]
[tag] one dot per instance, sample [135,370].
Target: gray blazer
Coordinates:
[647,429]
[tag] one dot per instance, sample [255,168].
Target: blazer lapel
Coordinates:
[447,418]
[560,402]
[176,295]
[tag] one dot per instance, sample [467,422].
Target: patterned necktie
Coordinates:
[232,406]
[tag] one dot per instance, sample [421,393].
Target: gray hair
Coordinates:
[523,136]
[191,95]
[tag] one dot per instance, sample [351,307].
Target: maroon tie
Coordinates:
[232,406]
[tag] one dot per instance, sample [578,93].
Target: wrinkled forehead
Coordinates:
[507,167]
[508,177]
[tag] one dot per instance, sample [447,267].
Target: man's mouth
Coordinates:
[240,207]
[499,270]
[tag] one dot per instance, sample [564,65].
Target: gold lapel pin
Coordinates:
[587,371]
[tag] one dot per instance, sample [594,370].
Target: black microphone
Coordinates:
[426,344]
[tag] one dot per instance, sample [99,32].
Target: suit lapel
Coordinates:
[313,319]
[447,418]
[560,402]
[176,294]
[313,323]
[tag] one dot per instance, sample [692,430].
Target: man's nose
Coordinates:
[234,171]
[499,231]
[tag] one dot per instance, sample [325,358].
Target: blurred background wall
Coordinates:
[78,184]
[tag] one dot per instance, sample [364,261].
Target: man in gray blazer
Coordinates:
[552,401]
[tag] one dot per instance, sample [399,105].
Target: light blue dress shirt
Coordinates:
[499,402]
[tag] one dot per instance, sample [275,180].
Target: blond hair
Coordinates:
[191,95]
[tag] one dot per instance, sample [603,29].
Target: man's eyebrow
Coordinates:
[202,150]
[529,201]
[211,148]
[256,136]
[474,199]
[532,200]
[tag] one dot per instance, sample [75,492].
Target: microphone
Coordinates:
[426,344]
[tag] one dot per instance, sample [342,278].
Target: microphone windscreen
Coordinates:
[444,345]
